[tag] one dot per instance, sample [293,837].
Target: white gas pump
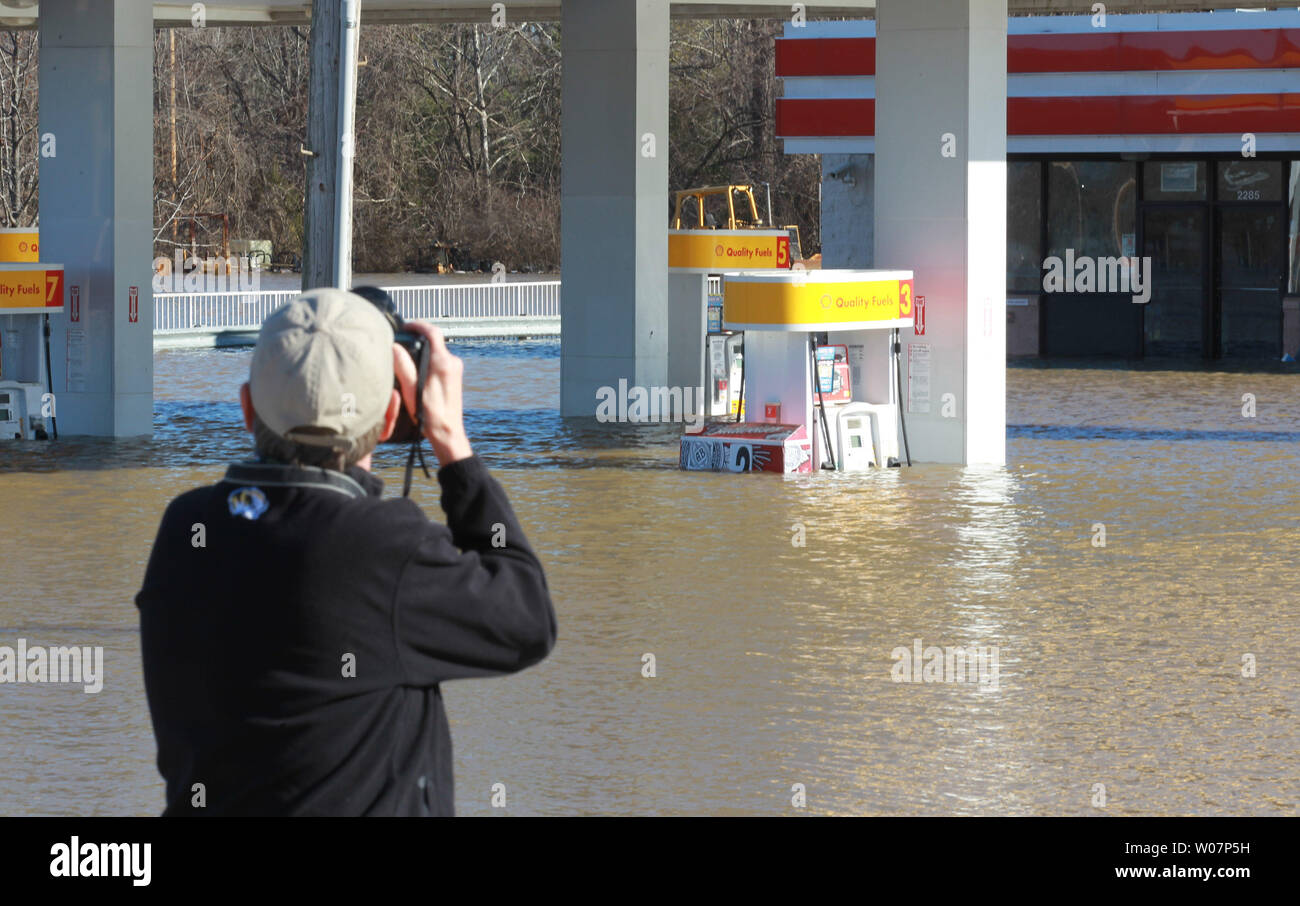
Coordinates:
[856,434]
[704,351]
[857,440]
[867,435]
[26,403]
[820,363]
[862,434]
[726,374]
[29,293]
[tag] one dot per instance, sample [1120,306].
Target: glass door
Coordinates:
[1174,238]
[1251,265]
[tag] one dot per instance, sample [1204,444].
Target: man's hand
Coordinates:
[444,423]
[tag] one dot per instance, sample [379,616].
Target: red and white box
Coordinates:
[747,447]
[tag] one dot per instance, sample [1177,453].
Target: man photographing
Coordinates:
[295,625]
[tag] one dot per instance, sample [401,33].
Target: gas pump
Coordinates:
[29,293]
[725,354]
[703,350]
[859,442]
[821,364]
[858,434]
[833,375]
[726,374]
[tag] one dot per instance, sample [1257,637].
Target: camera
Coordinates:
[406,430]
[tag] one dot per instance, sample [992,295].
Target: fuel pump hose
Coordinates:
[898,387]
[740,399]
[821,404]
[49,381]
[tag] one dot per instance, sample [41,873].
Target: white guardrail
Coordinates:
[475,302]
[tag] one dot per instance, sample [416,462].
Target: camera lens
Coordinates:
[383,302]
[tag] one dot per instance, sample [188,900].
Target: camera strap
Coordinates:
[417,445]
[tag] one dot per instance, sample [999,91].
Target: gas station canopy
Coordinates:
[24,13]
[941,72]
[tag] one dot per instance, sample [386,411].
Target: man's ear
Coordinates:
[246,403]
[390,415]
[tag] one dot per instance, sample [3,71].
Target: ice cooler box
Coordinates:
[747,447]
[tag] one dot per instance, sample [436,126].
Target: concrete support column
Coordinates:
[614,211]
[96,209]
[940,199]
[688,325]
[848,211]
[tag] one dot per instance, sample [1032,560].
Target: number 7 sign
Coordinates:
[54,290]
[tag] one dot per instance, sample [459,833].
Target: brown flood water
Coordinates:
[1119,665]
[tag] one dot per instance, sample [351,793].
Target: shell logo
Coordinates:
[719,251]
[826,301]
[22,246]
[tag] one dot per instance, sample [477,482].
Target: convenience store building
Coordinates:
[1169,136]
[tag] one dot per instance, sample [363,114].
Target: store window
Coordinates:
[1024,225]
[1173,180]
[1092,208]
[1250,180]
[1293,228]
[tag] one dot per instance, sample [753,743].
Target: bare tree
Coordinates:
[458,139]
[19,164]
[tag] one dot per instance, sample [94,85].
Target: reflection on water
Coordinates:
[1118,665]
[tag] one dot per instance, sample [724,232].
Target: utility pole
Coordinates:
[171,42]
[327,233]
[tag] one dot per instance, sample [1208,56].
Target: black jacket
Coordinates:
[295,627]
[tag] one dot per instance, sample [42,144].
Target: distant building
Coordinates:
[1172,136]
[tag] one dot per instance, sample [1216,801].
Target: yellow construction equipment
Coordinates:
[729,207]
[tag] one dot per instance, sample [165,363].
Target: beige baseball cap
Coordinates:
[322,371]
